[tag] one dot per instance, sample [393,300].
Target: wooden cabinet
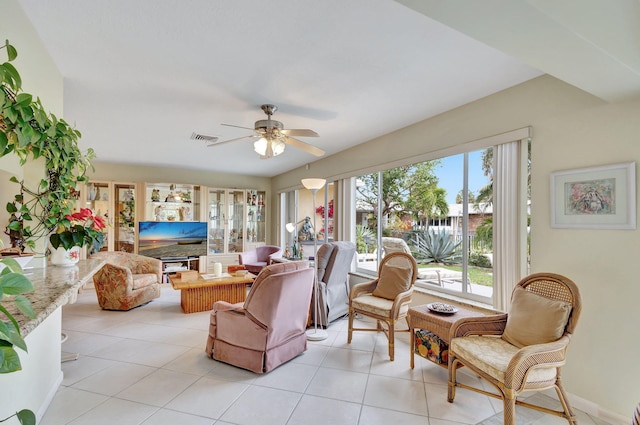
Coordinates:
[226,220]
[116,202]
[171,202]
[233,220]
[237,222]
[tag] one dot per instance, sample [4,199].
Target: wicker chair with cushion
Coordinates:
[523,350]
[386,298]
[257,259]
[126,280]
[391,245]
[268,329]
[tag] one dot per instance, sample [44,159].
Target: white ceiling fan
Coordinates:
[273,137]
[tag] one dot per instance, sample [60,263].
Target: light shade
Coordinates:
[313,184]
[261,145]
[290,227]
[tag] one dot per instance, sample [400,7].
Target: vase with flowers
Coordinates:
[82,228]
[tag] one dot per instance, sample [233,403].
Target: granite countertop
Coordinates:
[54,287]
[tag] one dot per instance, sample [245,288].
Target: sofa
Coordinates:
[126,280]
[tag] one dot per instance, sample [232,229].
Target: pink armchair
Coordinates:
[268,329]
[256,259]
[126,280]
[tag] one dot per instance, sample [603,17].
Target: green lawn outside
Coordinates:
[477,275]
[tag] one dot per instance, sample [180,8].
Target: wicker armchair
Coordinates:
[391,245]
[386,298]
[523,350]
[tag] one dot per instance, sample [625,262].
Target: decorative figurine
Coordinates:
[155,195]
[158,212]
[306,234]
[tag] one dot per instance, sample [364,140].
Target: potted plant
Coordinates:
[73,232]
[13,283]
[30,132]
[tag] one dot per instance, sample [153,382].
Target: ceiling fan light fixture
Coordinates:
[277,146]
[262,144]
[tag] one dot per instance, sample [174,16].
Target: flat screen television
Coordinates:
[172,239]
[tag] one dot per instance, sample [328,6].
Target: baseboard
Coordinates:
[50,395]
[595,410]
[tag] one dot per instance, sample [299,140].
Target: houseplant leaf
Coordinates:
[11,361]
[15,283]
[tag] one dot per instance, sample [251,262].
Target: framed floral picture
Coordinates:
[594,198]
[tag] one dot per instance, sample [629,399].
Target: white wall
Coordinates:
[571,129]
[36,384]
[40,77]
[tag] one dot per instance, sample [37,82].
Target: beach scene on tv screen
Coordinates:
[162,239]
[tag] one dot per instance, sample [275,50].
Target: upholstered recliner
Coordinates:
[268,329]
[523,350]
[126,280]
[334,264]
[256,259]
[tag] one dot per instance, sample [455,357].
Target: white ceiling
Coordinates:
[141,76]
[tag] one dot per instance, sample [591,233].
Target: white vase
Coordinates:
[64,257]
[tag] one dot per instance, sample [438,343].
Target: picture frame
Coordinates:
[601,197]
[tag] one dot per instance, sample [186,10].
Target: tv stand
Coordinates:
[171,265]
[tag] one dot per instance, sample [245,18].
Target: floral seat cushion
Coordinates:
[492,355]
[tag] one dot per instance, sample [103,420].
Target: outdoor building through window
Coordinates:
[424,204]
[463,216]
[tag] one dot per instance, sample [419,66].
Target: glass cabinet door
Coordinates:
[171,202]
[98,200]
[217,218]
[124,227]
[235,219]
[256,216]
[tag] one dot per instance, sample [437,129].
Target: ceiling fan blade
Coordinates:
[300,132]
[238,126]
[252,136]
[304,146]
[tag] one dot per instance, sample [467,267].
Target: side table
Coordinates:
[420,317]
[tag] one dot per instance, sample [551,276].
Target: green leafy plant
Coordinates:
[436,247]
[363,235]
[484,234]
[478,259]
[30,132]
[14,284]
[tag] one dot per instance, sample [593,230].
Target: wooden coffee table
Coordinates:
[200,294]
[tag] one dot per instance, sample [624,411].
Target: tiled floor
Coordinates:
[147,366]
